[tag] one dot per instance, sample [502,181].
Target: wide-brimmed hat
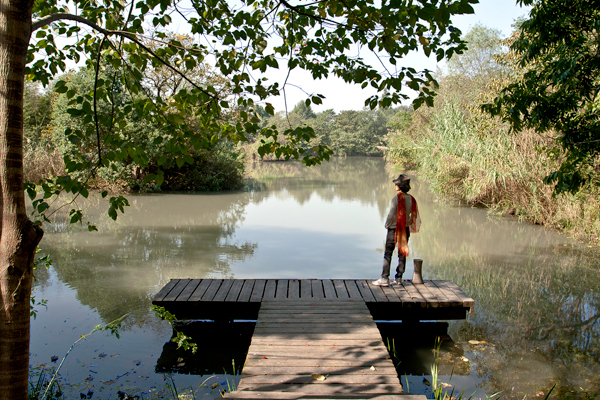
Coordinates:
[403,182]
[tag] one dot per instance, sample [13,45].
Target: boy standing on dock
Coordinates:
[402,220]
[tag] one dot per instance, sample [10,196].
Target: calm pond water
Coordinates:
[537,293]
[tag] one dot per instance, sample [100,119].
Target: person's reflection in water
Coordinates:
[402,220]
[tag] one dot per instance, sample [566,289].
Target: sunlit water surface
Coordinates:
[535,323]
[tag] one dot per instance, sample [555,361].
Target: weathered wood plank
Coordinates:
[365,291]
[403,295]
[278,361]
[353,291]
[322,303]
[467,301]
[314,336]
[282,329]
[305,289]
[453,297]
[440,297]
[235,291]
[173,294]
[294,289]
[330,379]
[322,389]
[353,353]
[165,290]
[378,293]
[258,290]
[223,290]
[270,289]
[338,341]
[251,370]
[244,395]
[345,312]
[200,290]
[282,289]
[329,289]
[391,295]
[313,324]
[417,298]
[317,289]
[432,302]
[211,291]
[189,290]
[340,289]
[314,317]
[246,291]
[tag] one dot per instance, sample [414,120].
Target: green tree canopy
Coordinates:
[558,90]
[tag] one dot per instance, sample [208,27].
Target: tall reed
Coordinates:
[468,156]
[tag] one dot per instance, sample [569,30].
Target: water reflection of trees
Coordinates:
[362,179]
[119,269]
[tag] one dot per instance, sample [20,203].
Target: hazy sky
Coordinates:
[497,14]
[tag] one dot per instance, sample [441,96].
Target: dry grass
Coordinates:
[469,156]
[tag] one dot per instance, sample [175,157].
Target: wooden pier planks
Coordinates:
[434,299]
[337,340]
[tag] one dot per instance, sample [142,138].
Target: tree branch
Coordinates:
[128,35]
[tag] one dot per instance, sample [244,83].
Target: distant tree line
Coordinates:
[347,133]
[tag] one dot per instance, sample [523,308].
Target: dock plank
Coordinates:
[353,291]
[189,290]
[403,295]
[294,289]
[165,290]
[365,290]
[378,293]
[282,289]
[256,394]
[223,290]
[340,289]
[176,291]
[305,289]
[258,290]
[317,289]
[391,295]
[322,389]
[417,298]
[453,297]
[467,301]
[329,289]
[200,290]
[211,291]
[235,291]
[246,291]
[440,297]
[270,289]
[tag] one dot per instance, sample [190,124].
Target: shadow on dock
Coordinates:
[221,346]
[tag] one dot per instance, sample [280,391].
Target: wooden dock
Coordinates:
[307,349]
[240,299]
[315,338]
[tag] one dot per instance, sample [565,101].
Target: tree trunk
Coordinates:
[18,236]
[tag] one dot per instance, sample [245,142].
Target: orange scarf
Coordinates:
[415,223]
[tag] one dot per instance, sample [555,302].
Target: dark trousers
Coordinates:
[387,255]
